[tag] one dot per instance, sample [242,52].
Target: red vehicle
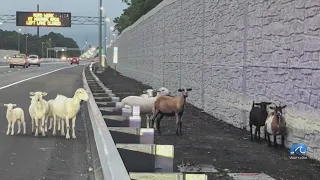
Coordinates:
[75,60]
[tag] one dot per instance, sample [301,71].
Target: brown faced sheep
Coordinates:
[171,106]
[275,125]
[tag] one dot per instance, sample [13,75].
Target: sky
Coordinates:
[112,9]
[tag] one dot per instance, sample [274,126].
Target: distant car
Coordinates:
[18,60]
[34,60]
[75,60]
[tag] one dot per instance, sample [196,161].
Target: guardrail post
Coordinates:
[135,119]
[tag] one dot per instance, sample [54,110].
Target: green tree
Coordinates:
[9,41]
[136,9]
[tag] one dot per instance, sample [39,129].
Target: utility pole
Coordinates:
[100,31]
[38,33]
[105,35]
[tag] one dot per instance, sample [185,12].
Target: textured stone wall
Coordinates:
[231,53]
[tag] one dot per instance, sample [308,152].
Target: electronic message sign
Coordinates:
[43,19]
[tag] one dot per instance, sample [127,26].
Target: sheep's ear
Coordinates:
[44,93]
[144,91]
[189,89]
[180,90]
[6,105]
[268,103]
[283,106]
[14,105]
[32,93]
[31,97]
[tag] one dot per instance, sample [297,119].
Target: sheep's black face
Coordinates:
[263,105]
[185,91]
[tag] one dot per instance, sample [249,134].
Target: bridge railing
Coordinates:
[110,160]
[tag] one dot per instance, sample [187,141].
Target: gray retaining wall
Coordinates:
[230,53]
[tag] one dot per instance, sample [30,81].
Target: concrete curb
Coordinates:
[111,163]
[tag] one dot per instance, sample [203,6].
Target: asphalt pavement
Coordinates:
[24,157]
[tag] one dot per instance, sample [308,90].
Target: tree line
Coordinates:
[9,40]
[136,9]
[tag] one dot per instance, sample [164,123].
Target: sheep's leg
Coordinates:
[32,125]
[24,126]
[148,120]
[61,122]
[73,126]
[251,131]
[282,141]
[36,121]
[8,130]
[275,141]
[177,124]
[255,133]
[269,142]
[12,127]
[39,126]
[19,127]
[259,138]
[259,135]
[54,132]
[43,121]
[158,123]
[50,124]
[46,124]
[153,119]
[68,127]
[180,124]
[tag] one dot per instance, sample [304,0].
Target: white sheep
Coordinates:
[67,108]
[146,104]
[147,93]
[50,115]
[15,115]
[38,110]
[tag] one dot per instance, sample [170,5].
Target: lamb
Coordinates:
[67,108]
[258,117]
[38,110]
[147,93]
[50,115]
[15,115]
[146,104]
[275,125]
[171,106]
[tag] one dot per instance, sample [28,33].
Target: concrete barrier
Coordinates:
[132,135]
[167,176]
[112,166]
[156,158]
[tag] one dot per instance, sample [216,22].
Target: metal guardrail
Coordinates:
[110,160]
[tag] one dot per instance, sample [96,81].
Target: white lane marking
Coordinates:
[12,84]
[4,66]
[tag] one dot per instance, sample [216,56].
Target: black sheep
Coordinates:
[258,117]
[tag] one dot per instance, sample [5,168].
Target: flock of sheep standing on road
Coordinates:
[163,104]
[60,110]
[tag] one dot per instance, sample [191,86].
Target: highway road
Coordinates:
[24,157]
